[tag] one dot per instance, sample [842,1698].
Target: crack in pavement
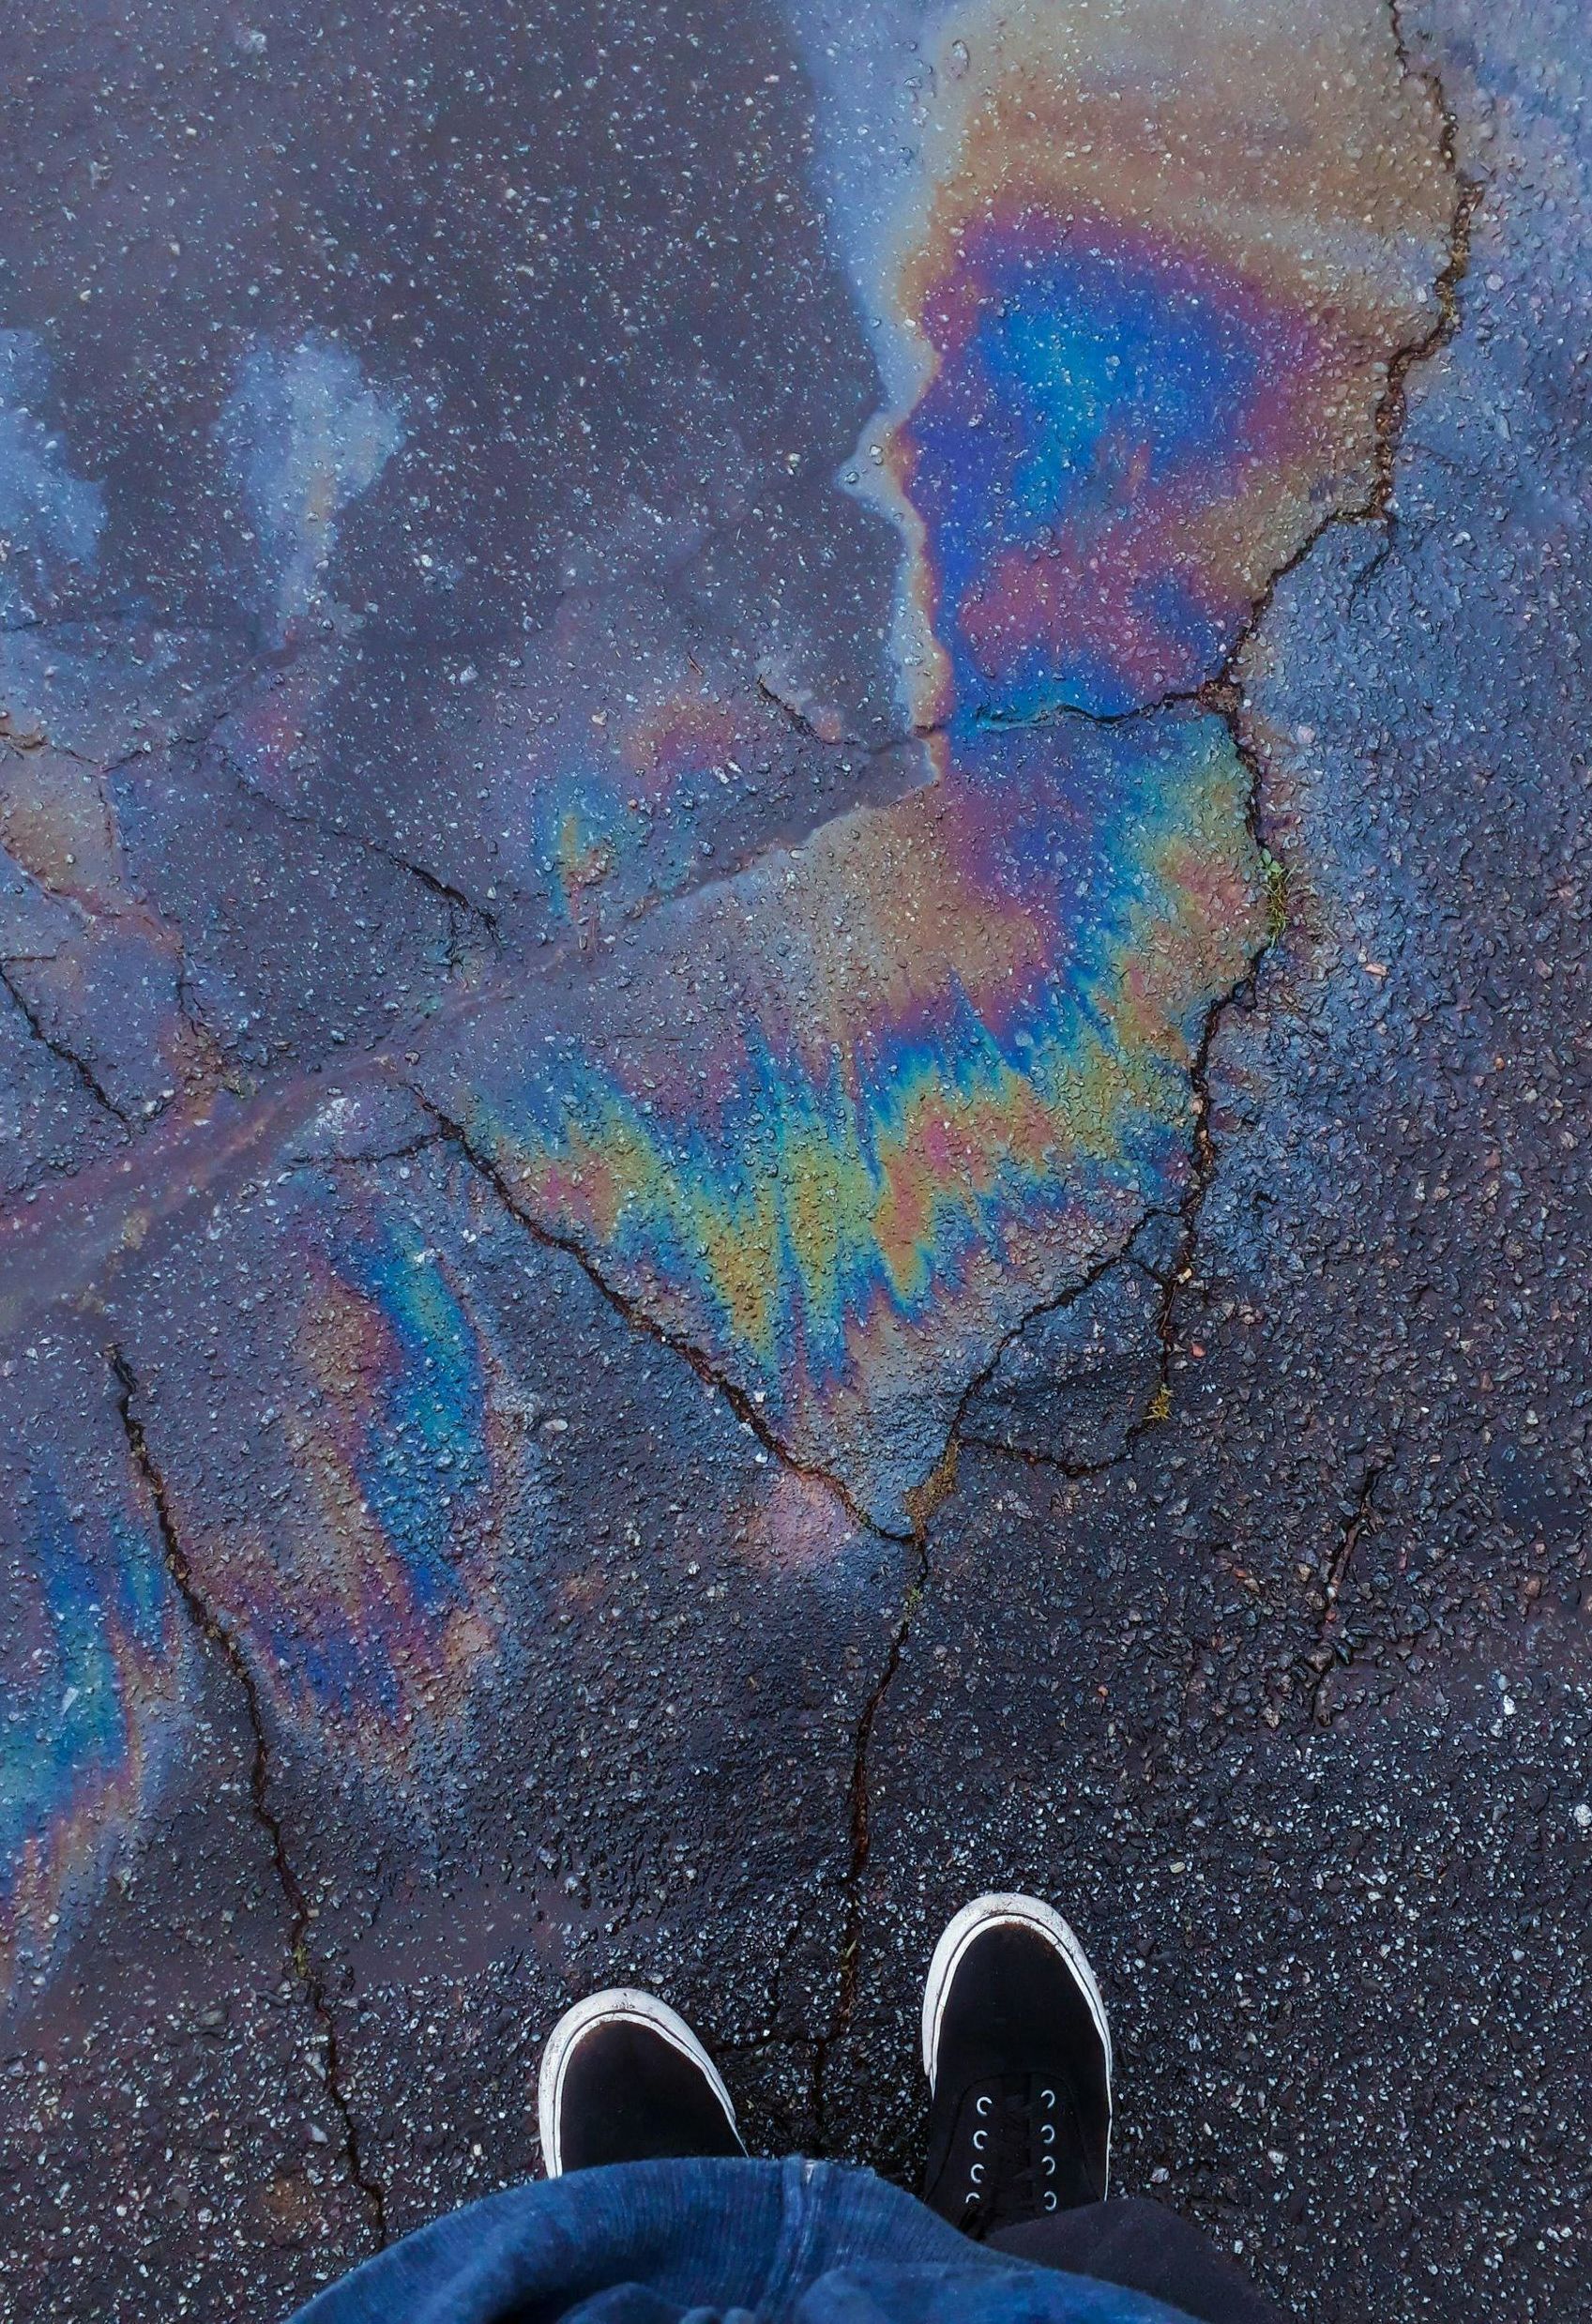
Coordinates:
[68,1057]
[962,1435]
[162,924]
[859,1804]
[1223,692]
[1393,411]
[1204,1166]
[1330,1652]
[328,828]
[635,1314]
[128,616]
[1224,696]
[225,1643]
[921,1504]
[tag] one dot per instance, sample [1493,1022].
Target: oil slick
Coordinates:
[1133,340]
[304,436]
[51,518]
[360,1577]
[99,1657]
[839,1122]
[1133,274]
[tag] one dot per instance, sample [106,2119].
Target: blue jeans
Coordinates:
[698,2241]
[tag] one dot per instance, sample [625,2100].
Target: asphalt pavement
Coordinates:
[793,1070]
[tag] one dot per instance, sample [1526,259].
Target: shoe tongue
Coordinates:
[1012,2182]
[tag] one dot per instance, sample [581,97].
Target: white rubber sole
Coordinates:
[629,2006]
[1029,1912]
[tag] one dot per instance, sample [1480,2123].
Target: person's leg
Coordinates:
[1147,2248]
[1017,2050]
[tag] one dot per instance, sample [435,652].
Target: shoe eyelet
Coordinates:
[1050,2199]
[983,2105]
[980,2140]
[1048,2097]
[1047,2132]
[977,2174]
[1049,2160]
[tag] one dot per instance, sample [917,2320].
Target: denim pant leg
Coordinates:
[1146,2248]
[791,2242]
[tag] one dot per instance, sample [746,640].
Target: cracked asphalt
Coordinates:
[794,921]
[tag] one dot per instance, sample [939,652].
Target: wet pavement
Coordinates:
[795,945]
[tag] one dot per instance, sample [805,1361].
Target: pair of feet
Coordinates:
[1015,2045]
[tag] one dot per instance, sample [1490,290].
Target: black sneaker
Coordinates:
[625,2080]
[1018,2055]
